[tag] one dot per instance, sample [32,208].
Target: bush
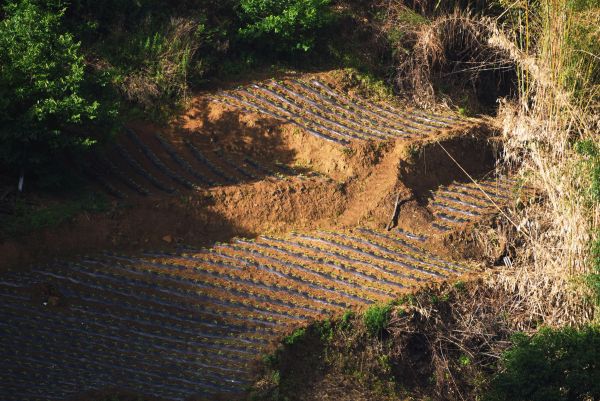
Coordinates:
[553,365]
[286,26]
[376,319]
[42,101]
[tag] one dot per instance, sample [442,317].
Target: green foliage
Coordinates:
[43,102]
[346,321]
[376,319]
[325,329]
[295,337]
[553,365]
[285,26]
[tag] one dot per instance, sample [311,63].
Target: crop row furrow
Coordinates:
[351,260]
[141,170]
[107,186]
[206,356]
[177,158]
[286,117]
[417,117]
[159,339]
[325,270]
[411,236]
[97,333]
[371,256]
[265,102]
[108,297]
[419,254]
[209,164]
[106,287]
[220,353]
[450,198]
[247,280]
[242,291]
[218,297]
[153,378]
[473,195]
[357,117]
[449,218]
[363,114]
[248,337]
[441,227]
[393,111]
[445,206]
[124,178]
[479,190]
[261,168]
[326,119]
[395,253]
[236,166]
[310,279]
[379,283]
[158,163]
[333,110]
[352,264]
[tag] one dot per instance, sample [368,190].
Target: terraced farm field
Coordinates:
[192,322]
[148,163]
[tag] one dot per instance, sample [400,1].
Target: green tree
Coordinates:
[42,77]
[286,26]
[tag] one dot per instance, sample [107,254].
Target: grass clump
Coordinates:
[552,365]
[376,319]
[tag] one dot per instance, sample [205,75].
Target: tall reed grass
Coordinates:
[552,43]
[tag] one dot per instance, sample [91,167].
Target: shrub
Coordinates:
[42,78]
[552,365]
[286,26]
[376,319]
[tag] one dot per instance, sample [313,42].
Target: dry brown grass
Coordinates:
[454,46]
[539,133]
[557,106]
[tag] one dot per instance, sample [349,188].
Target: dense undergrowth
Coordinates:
[457,342]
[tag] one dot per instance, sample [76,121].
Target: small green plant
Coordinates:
[295,337]
[385,363]
[346,321]
[552,365]
[325,329]
[376,319]
[348,151]
[460,286]
[464,360]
